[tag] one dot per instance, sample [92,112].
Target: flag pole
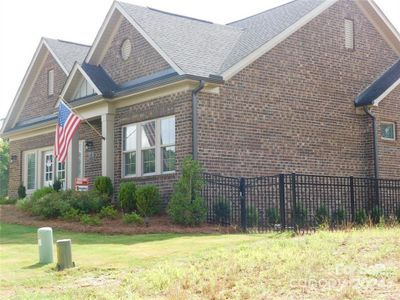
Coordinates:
[83,119]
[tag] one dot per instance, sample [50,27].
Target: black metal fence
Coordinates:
[293,201]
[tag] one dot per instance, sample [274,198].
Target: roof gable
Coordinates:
[45,48]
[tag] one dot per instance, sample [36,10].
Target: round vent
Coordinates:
[126,49]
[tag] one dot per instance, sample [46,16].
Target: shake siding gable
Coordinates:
[39,103]
[143,60]
[292,110]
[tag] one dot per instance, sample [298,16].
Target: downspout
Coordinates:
[375,141]
[195,92]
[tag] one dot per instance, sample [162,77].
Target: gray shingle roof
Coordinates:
[202,48]
[379,86]
[68,52]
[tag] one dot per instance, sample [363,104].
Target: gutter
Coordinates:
[195,150]
[375,140]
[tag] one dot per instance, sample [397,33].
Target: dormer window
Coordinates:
[50,83]
[84,89]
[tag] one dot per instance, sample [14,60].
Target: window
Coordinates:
[148,147]
[388,131]
[31,171]
[61,173]
[129,150]
[168,144]
[48,168]
[50,82]
[85,89]
[81,159]
[349,33]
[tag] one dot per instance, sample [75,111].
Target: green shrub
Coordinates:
[132,218]
[7,200]
[57,185]
[24,204]
[361,217]
[71,214]
[398,214]
[186,206]
[322,215]
[103,185]
[252,217]
[86,202]
[339,216]
[222,211]
[50,206]
[108,212]
[127,196]
[148,200]
[376,215]
[273,216]
[300,215]
[90,220]
[36,195]
[21,191]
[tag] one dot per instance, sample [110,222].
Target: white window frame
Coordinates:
[25,179]
[50,82]
[165,146]
[89,90]
[394,131]
[158,156]
[81,153]
[43,153]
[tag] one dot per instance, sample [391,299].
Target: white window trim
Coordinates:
[25,179]
[139,171]
[50,82]
[81,145]
[394,131]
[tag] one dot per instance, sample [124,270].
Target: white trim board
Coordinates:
[385,93]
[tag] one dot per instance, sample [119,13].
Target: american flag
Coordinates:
[67,125]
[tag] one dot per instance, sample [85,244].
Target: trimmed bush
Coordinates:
[21,191]
[148,200]
[300,215]
[108,212]
[24,204]
[57,185]
[222,211]
[6,200]
[186,206]
[376,215]
[85,202]
[339,217]
[252,217]
[322,215]
[41,193]
[90,220]
[398,215]
[127,196]
[273,216]
[132,218]
[103,185]
[72,214]
[50,206]
[361,217]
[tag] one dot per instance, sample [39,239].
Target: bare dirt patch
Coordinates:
[159,224]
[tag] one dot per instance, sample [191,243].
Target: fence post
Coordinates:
[352,204]
[294,196]
[243,213]
[282,200]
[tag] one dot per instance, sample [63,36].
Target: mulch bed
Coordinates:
[160,224]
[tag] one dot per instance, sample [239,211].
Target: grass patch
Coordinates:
[177,266]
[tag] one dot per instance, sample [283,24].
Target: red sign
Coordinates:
[82,184]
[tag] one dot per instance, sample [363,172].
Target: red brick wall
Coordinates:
[177,104]
[144,59]
[39,103]
[292,110]
[389,151]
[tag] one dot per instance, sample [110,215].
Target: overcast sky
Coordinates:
[24,22]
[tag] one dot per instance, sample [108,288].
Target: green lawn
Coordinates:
[358,264]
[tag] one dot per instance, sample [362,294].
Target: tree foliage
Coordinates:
[4,164]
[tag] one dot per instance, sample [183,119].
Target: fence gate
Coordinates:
[292,201]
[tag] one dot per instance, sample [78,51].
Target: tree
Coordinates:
[4,163]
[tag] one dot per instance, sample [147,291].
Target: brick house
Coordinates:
[311,87]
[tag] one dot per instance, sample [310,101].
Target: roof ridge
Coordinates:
[67,42]
[284,4]
[180,16]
